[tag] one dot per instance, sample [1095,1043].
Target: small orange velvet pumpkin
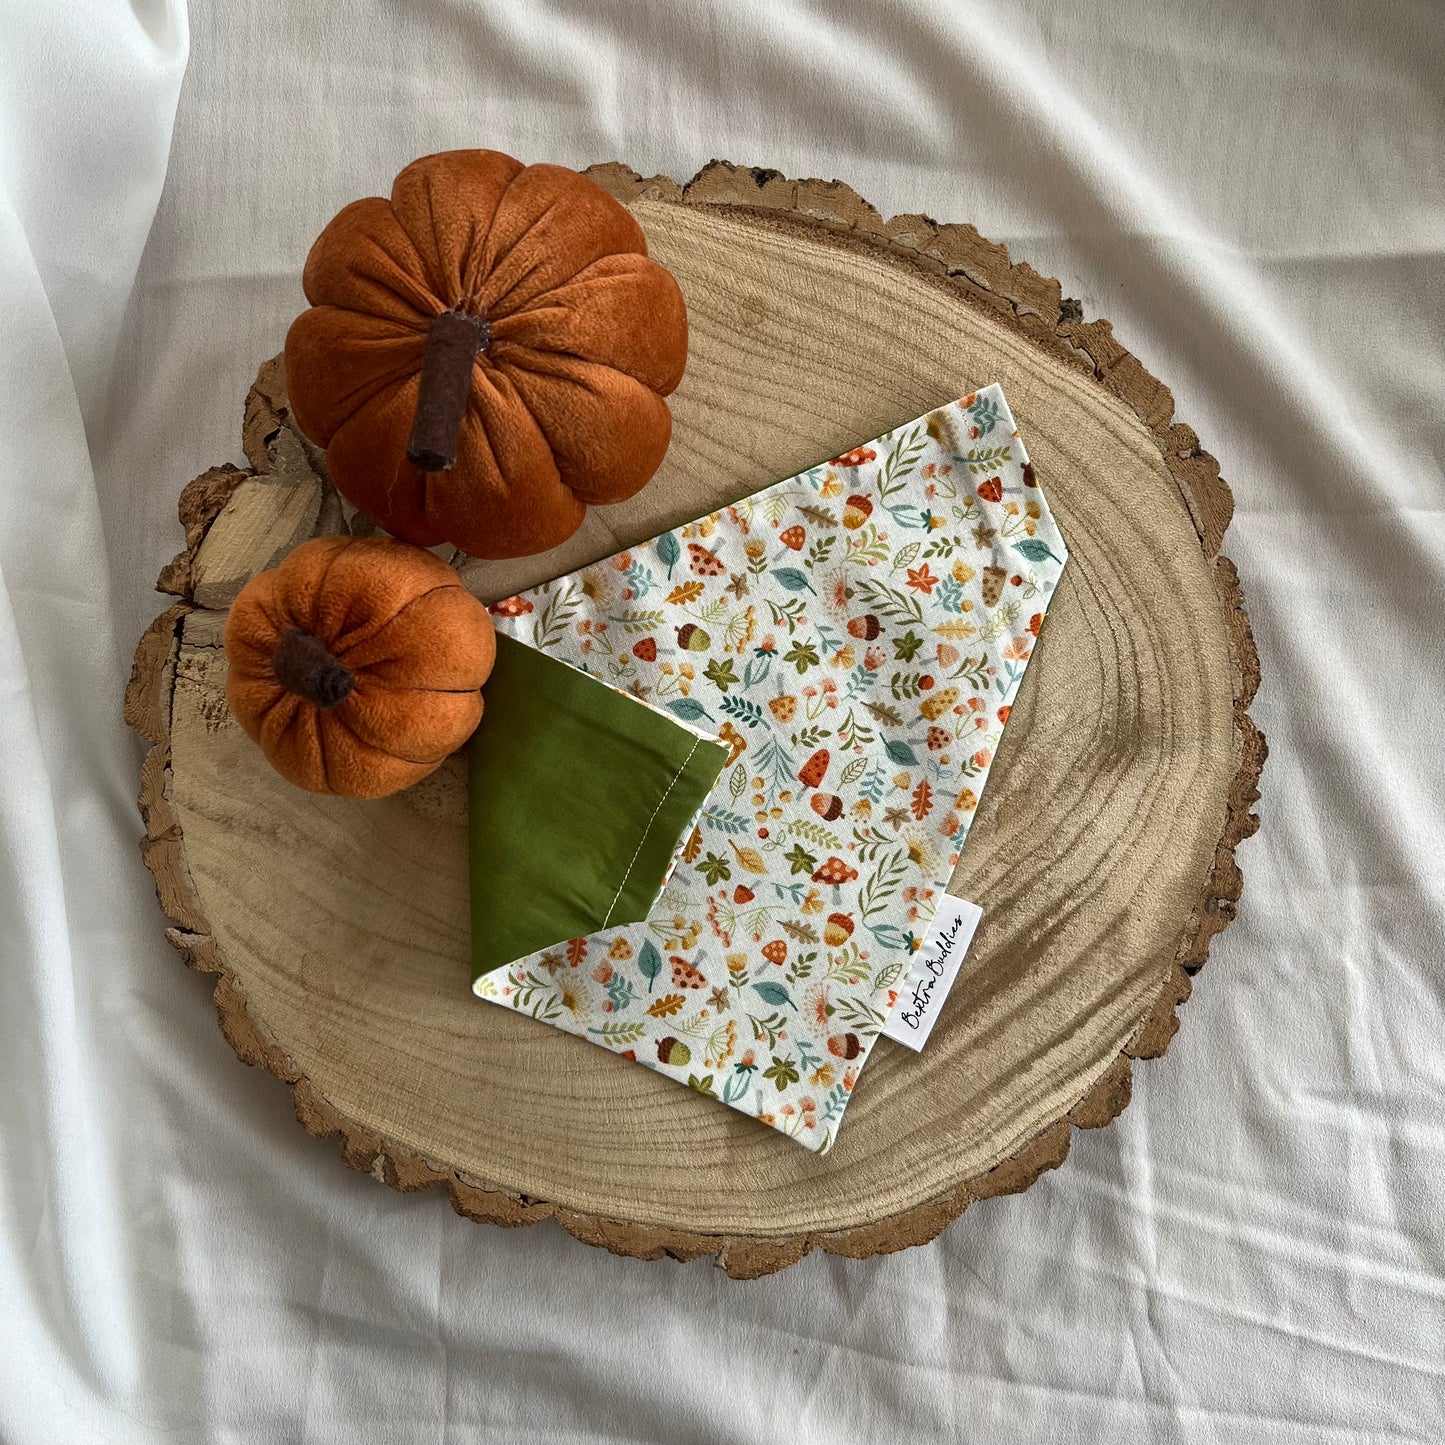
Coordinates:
[357,664]
[486,353]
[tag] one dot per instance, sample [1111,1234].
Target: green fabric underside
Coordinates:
[578,797]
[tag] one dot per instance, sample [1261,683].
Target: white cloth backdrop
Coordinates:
[1255,195]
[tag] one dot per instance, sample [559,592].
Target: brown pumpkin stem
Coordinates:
[303,664]
[452,344]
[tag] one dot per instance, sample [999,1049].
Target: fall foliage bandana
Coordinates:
[855,636]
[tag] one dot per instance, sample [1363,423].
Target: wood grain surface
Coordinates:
[1102,853]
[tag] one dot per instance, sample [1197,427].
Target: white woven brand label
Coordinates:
[935,966]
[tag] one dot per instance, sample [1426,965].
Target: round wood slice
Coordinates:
[1102,854]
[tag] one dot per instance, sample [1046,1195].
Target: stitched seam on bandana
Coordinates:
[646,832]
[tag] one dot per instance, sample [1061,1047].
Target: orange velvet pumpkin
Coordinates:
[486,353]
[357,664]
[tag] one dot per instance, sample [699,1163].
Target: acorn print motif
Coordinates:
[674,1052]
[855,637]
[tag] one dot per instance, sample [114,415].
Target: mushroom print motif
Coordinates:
[861,679]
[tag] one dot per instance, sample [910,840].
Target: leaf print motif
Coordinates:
[904,557]
[637,621]
[984,413]
[906,648]
[888,975]
[774,762]
[922,804]
[749,858]
[561,607]
[666,1006]
[668,551]
[882,884]
[854,734]
[860,1014]
[799,932]
[744,709]
[727,820]
[957,630]
[901,461]
[715,868]
[802,655]
[688,709]
[814,832]
[889,602]
[951,596]
[775,995]
[791,578]
[649,963]
[883,713]
[620,992]
[721,674]
[619,1035]
[989,459]
[685,592]
[1035,550]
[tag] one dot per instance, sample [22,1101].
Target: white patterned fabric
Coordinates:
[856,635]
